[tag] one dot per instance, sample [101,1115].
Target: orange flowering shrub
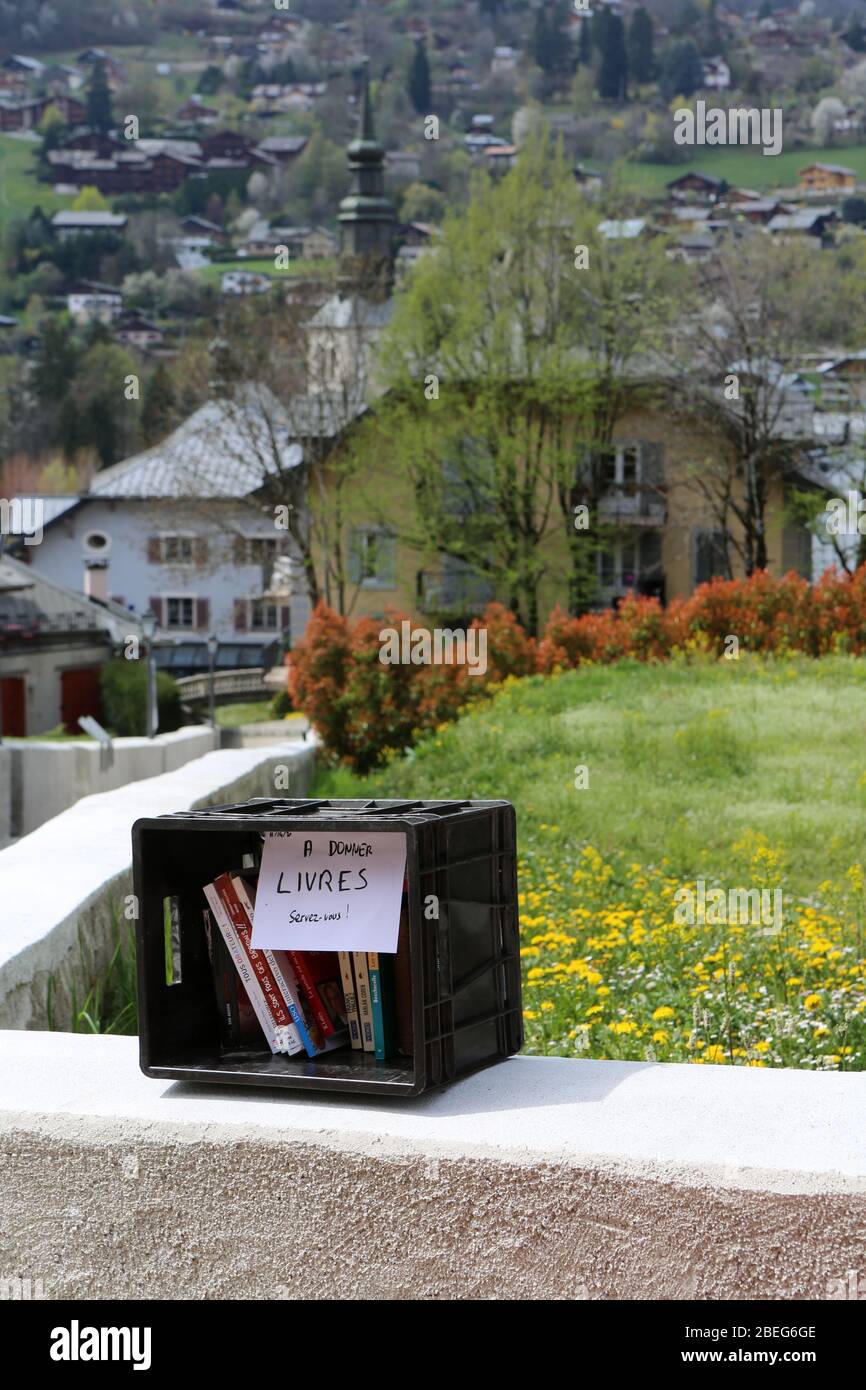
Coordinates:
[363,709]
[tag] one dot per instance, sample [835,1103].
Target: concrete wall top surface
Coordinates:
[771,1131]
[49,876]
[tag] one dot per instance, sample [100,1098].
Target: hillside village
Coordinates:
[207,228]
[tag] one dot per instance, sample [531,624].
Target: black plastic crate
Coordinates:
[464,967]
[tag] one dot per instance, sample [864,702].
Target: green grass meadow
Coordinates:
[742,167]
[20,190]
[633,782]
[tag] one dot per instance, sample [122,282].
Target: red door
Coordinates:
[13,707]
[79,694]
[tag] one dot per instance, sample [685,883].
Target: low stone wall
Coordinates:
[541,1178]
[62,888]
[48,777]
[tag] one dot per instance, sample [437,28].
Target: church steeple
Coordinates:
[366,214]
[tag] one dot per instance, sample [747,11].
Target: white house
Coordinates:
[717,74]
[504,60]
[244,282]
[180,530]
[70,224]
[89,302]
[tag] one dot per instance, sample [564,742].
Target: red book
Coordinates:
[239,920]
[318,974]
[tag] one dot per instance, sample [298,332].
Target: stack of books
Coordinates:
[311,1002]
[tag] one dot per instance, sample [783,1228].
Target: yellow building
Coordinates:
[827,178]
[663,538]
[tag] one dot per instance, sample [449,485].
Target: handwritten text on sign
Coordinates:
[324,891]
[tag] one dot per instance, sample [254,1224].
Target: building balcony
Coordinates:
[633,505]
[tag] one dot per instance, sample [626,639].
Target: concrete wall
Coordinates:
[63,887]
[539,1178]
[48,777]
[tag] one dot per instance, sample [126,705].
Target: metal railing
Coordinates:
[228,685]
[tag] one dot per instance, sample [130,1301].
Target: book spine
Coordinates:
[348,979]
[381,971]
[288,986]
[284,976]
[308,985]
[262,963]
[263,1012]
[365,1014]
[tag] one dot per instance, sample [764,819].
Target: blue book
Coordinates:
[380,968]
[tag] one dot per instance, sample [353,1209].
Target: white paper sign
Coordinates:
[330,890]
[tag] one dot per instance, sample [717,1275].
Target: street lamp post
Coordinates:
[212,644]
[148,627]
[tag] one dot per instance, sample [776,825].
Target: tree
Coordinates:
[419,79]
[159,407]
[210,81]
[584,48]
[854,35]
[90,200]
[641,62]
[505,365]
[736,362]
[289,383]
[98,107]
[550,43]
[51,128]
[613,69]
[421,203]
[854,210]
[824,117]
[682,70]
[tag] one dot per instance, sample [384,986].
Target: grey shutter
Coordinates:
[354,556]
[652,463]
[386,559]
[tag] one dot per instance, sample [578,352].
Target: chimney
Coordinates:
[96,580]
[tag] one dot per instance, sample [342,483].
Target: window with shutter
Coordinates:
[154,550]
[202,613]
[240,615]
[372,558]
[155,605]
[709,555]
[200,550]
[652,463]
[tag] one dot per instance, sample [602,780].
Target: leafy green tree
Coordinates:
[159,406]
[210,81]
[90,200]
[421,203]
[56,362]
[639,46]
[98,107]
[533,359]
[419,79]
